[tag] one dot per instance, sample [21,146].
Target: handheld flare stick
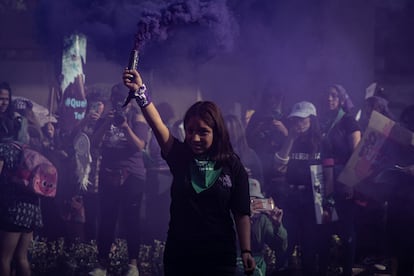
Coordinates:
[132,64]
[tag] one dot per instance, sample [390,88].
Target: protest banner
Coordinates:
[377,152]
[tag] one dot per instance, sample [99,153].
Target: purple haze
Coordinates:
[229,50]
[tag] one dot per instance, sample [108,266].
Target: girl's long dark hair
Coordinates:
[221,149]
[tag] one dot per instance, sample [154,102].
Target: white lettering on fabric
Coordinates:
[74,103]
[305,156]
[79,115]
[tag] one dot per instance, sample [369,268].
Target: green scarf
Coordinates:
[203,174]
[338,117]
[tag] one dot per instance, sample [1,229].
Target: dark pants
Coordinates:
[201,258]
[116,201]
[53,224]
[400,227]
[91,202]
[345,228]
[300,222]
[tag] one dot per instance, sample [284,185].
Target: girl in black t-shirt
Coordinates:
[209,193]
[301,150]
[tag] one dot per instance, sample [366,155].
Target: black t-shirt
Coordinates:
[336,143]
[119,153]
[205,218]
[301,158]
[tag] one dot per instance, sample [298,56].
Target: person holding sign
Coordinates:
[341,134]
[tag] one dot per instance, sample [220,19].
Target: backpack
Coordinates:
[33,172]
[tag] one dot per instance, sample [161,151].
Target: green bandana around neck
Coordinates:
[338,117]
[203,174]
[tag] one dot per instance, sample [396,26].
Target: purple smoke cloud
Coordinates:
[227,47]
[112,25]
[157,24]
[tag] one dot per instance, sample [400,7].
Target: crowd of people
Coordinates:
[217,188]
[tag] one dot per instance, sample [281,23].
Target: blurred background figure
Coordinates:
[94,111]
[20,212]
[249,158]
[371,212]
[265,134]
[121,138]
[341,134]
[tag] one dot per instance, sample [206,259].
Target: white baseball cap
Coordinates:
[303,110]
[255,190]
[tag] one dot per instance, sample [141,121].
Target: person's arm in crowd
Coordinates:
[243,231]
[92,116]
[80,125]
[406,169]
[132,136]
[354,139]
[133,82]
[280,126]
[100,130]
[277,237]
[284,151]
[282,156]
